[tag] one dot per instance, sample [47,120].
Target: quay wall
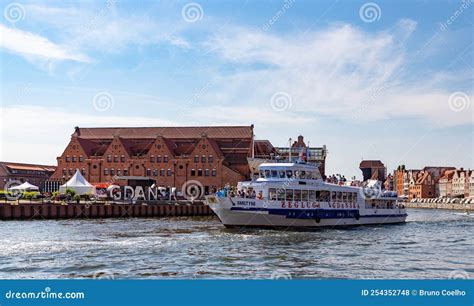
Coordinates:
[28,211]
[447,206]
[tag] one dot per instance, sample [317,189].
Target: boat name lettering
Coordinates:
[246,203]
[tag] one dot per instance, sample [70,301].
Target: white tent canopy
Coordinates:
[25,187]
[79,184]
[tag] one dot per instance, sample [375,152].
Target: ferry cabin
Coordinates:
[301,185]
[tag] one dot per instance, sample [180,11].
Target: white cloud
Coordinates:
[36,47]
[339,71]
[46,131]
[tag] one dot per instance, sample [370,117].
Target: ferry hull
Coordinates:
[263,215]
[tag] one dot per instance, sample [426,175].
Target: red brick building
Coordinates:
[213,156]
[20,172]
[373,170]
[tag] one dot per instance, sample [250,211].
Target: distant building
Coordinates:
[460,183]
[373,170]
[445,184]
[316,155]
[388,184]
[21,172]
[399,180]
[422,185]
[471,184]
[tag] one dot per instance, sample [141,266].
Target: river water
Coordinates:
[432,244]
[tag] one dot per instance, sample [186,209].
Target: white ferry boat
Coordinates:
[293,195]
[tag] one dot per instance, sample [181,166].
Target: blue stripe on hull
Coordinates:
[316,213]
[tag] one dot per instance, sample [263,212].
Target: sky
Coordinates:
[388,80]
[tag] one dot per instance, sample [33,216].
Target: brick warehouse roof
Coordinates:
[221,132]
[32,167]
[370,164]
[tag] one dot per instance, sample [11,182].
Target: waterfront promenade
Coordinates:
[27,211]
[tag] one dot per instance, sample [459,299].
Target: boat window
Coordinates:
[309,175]
[289,195]
[333,196]
[281,194]
[274,173]
[349,196]
[324,196]
[339,196]
[297,174]
[354,196]
[262,174]
[289,173]
[344,196]
[267,173]
[312,195]
[303,174]
[297,195]
[304,195]
[272,194]
[282,173]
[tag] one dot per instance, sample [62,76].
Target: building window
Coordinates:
[169,172]
[199,172]
[70,171]
[213,172]
[106,171]
[109,158]
[206,172]
[148,172]
[116,159]
[165,158]
[81,158]
[203,158]
[112,171]
[83,171]
[74,158]
[64,171]
[162,172]
[119,172]
[193,172]
[211,159]
[67,159]
[196,158]
[158,159]
[152,159]
[122,158]
[155,172]
[125,172]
